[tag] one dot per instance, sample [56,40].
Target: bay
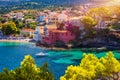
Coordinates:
[12,53]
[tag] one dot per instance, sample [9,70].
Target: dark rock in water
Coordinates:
[59,44]
[37,43]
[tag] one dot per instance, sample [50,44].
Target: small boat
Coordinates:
[41,54]
[101,48]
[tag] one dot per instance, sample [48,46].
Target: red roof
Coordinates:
[59,31]
[28,30]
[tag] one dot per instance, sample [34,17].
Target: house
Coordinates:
[53,17]
[41,18]
[76,21]
[103,23]
[7,16]
[57,35]
[29,20]
[27,32]
[18,15]
[74,29]
[37,34]
[1,34]
[68,9]
[62,17]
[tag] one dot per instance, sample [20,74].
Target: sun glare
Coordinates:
[113,2]
[116,1]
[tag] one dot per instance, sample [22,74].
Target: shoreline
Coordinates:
[83,48]
[52,48]
[100,48]
[3,40]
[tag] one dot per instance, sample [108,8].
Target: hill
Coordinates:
[9,5]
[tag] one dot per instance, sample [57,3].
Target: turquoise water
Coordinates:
[11,54]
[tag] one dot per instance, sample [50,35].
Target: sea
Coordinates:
[12,53]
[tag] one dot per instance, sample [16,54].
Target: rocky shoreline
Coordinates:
[52,48]
[88,47]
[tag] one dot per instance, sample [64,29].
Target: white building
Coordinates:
[75,21]
[52,17]
[18,15]
[37,34]
[1,34]
[29,20]
[62,17]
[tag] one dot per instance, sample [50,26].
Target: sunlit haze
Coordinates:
[113,2]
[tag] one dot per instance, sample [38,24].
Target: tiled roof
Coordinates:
[59,31]
[28,30]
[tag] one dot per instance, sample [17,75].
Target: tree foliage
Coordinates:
[92,68]
[9,28]
[7,6]
[30,15]
[2,20]
[89,26]
[27,71]
[19,24]
[88,22]
[99,12]
[32,25]
[116,10]
[115,26]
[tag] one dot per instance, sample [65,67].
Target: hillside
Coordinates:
[9,5]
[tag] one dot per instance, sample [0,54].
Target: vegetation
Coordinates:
[89,25]
[30,16]
[116,10]
[32,25]
[34,4]
[92,68]
[9,28]
[101,11]
[115,26]
[14,25]
[104,12]
[27,71]
[88,22]
[3,20]
[19,23]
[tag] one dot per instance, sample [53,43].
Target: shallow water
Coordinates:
[11,54]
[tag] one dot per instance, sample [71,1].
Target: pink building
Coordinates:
[61,35]
[75,30]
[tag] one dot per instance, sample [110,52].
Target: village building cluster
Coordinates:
[55,26]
